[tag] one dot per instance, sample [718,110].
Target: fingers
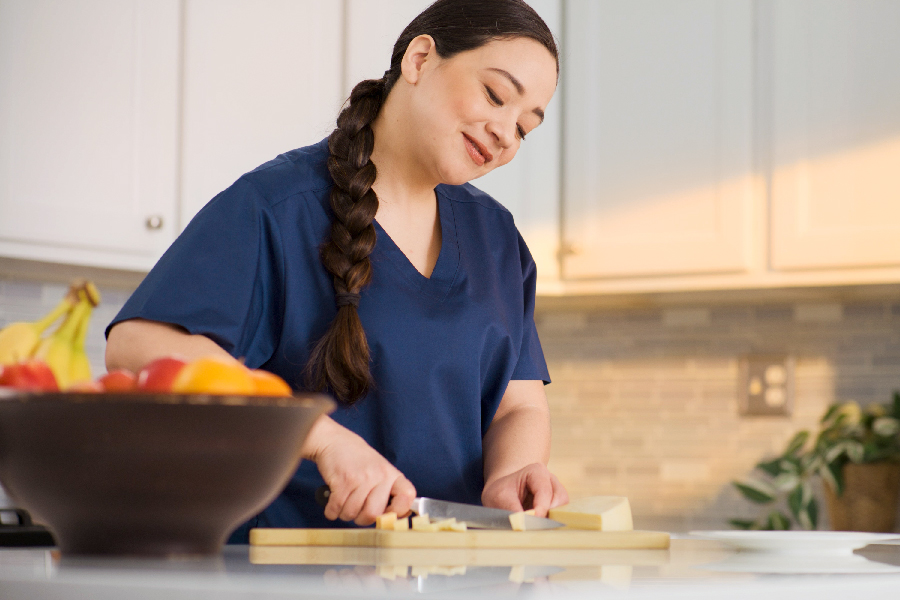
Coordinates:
[560,495]
[403,493]
[538,482]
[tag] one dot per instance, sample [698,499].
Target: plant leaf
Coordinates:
[795,502]
[771,468]
[855,451]
[813,510]
[778,521]
[832,454]
[833,476]
[896,411]
[830,413]
[797,442]
[786,482]
[742,523]
[756,491]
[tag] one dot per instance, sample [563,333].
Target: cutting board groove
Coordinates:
[481,538]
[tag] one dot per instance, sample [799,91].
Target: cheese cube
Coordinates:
[517,520]
[603,513]
[422,523]
[386,521]
[401,525]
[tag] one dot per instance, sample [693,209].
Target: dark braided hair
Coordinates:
[340,360]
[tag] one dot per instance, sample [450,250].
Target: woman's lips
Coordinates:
[477,152]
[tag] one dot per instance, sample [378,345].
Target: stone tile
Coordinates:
[870,312]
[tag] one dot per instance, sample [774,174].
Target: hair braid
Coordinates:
[340,360]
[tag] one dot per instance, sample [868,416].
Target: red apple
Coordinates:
[118,380]
[30,375]
[159,374]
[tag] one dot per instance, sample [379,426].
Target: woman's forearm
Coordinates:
[520,433]
[134,343]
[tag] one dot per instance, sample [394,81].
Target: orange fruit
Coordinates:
[214,375]
[269,384]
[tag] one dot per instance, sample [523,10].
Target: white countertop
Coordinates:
[690,569]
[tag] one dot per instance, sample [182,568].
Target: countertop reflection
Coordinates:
[690,568]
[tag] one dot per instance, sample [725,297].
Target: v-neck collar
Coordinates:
[447,265]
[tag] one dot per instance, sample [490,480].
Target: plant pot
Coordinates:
[869,501]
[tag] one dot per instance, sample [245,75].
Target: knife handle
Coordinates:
[322,494]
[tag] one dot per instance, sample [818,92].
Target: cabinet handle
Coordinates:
[154,222]
[567,249]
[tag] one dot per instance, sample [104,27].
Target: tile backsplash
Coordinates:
[644,401]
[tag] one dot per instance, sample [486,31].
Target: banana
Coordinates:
[18,341]
[57,350]
[80,367]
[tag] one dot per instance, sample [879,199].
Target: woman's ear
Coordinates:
[419,54]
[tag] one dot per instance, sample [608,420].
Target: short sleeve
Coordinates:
[531,364]
[222,277]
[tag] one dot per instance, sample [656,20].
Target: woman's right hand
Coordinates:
[363,483]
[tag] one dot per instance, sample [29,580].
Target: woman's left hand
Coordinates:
[533,486]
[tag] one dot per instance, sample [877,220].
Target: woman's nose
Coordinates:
[504,133]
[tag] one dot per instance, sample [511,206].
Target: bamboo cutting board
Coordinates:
[474,538]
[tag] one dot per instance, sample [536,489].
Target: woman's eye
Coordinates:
[521,132]
[493,96]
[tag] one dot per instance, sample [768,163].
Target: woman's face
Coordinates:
[470,113]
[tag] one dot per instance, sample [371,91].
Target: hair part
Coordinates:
[339,362]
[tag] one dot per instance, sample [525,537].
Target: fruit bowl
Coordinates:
[149,474]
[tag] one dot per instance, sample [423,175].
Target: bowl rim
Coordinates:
[298,399]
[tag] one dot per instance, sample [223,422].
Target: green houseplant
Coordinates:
[850,437]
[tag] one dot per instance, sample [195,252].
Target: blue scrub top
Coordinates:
[246,273]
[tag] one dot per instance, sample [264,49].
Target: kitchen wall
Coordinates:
[644,400]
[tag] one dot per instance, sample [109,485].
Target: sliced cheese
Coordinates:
[603,513]
[386,521]
[517,520]
[422,523]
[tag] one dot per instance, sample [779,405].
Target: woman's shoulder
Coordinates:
[472,206]
[292,175]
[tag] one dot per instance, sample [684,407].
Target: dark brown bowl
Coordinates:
[149,474]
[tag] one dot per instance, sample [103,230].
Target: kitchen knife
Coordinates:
[476,517]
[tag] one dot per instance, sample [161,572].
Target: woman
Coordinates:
[367,267]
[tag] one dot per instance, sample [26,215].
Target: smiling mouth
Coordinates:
[477,152]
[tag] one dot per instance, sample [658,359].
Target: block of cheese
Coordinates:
[386,521]
[401,524]
[603,513]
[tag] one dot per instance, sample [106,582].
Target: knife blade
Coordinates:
[478,517]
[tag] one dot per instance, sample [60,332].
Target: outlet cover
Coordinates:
[766,385]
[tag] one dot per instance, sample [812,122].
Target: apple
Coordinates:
[30,375]
[159,374]
[118,380]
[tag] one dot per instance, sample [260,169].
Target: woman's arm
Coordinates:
[516,451]
[134,343]
[363,483]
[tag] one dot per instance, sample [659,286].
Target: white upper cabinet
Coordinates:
[261,77]
[88,130]
[835,133]
[657,138]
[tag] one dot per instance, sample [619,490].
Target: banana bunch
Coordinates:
[63,350]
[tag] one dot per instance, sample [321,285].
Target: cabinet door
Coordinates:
[835,133]
[657,145]
[260,77]
[88,130]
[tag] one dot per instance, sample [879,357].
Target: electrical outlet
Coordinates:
[766,385]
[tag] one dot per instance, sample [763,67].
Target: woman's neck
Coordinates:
[402,180]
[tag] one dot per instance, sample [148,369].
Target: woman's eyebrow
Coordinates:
[519,88]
